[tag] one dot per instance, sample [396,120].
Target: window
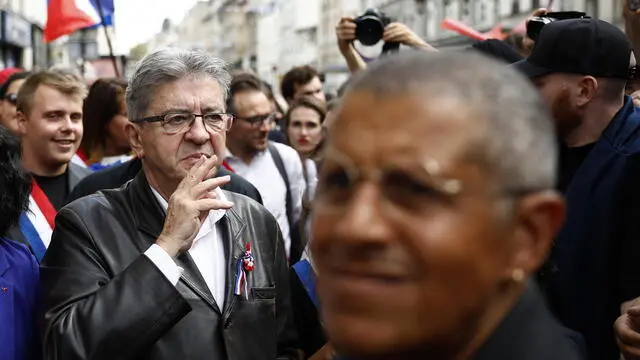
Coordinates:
[515,7]
[467,14]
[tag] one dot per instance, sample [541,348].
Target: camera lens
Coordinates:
[369,30]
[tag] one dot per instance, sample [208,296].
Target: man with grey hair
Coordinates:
[427,230]
[169,266]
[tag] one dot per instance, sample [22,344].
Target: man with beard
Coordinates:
[581,68]
[274,169]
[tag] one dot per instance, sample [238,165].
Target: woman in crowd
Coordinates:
[8,98]
[303,124]
[18,267]
[105,142]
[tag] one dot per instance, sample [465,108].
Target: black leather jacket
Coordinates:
[104,299]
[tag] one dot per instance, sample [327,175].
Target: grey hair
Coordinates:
[516,133]
[168,65]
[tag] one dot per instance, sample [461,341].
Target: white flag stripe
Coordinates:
[78,161]
[39,222]
[87,7]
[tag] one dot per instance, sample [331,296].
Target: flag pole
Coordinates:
[106,33]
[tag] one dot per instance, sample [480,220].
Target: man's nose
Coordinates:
[363,220]
[198,133]
[67,123]
[265,125]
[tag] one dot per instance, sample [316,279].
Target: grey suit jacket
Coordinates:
[76,173]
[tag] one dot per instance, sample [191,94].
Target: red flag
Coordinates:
[67,16]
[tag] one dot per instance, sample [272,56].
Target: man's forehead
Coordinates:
[187,93]
[314,82]
[399,111]
[48,96]
[406,125]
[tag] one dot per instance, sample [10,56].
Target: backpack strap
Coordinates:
[295,234]
[277,159]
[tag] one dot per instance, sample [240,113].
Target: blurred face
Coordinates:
[8,116]
[52,131]
[305,130]
[312,88]
[117,129]
[254,119]
[168,157]
[408,257]
[558,91]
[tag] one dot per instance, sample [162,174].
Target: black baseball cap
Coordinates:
[579,46]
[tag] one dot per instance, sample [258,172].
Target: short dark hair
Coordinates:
[15,77]
[244,82]
[15,182]
[101,105]
[297,76]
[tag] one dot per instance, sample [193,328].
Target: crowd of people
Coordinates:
[478,204]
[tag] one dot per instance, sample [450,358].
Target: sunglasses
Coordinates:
[12,98]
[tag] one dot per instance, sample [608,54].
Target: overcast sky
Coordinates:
[138,20]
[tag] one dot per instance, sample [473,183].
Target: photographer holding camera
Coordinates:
[347,31]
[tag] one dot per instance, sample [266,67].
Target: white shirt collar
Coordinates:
[213,217]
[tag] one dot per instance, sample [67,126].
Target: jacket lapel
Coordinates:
[232,226]
[76,173]
[149,218]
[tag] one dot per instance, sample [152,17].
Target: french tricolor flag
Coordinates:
[67,16]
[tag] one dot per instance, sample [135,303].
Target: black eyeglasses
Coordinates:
[174,123]
[258,120]
[12,98]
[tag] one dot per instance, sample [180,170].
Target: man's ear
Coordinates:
[538,218]
[134,133]
[21,117]
[586,90]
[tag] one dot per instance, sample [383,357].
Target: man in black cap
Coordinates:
[581,68]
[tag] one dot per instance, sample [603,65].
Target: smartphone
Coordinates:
[634,5]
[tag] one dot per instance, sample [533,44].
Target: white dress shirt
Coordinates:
[263,174]
[207,251]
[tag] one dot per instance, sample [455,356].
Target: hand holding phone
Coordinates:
[634,5]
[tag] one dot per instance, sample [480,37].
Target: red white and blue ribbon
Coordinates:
[38,222]
[246,264]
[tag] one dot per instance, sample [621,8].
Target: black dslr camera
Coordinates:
[370,28]
[535,24]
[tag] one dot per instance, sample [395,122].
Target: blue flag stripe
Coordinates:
[32,236]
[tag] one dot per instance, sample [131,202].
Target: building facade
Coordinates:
[271,36]
[21,39]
